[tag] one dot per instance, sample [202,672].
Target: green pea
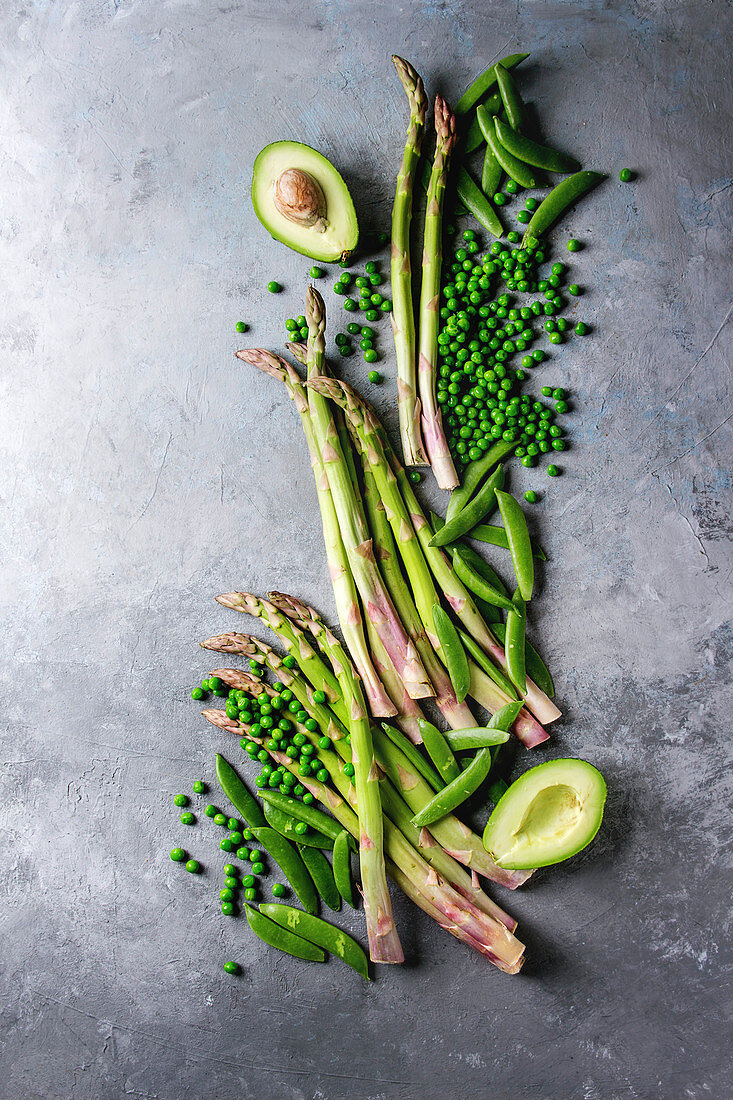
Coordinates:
[227,894]
[228,909]
[316,272]
[499,199]
[231,967]
[385,306]
[226,845]
[581,329]
[372,314]
[370,356]
[236,838]
[574,289]
[243,853]
[555,338]
[193,866]
[197,693]
[414,476]
[349,305]
[532,205]
[199,787]
[531,496]
[211,811]
[188,819]
[278,890]
[178,855]
[274,287]
[512,186]
[250,893]
[626,175]
[574,245]
[180,800]
[553,471]
[249,881]
[258,868]
[558,444]
[231,882]
[220,819]
[561,407]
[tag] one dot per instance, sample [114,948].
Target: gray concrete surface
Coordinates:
[144,471]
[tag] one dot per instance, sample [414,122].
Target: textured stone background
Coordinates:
[145,471]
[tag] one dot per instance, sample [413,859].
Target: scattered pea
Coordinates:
[553,471]
[199,787]
[226,894]
[211,811]
[193,866]
[220,819]
[581,329]
[531,496]
[178,855]
[241,326]
[574,289]
[188,819]
[274,287]
[258,868]
[278,890]
[574,245]
[197,693]
[180,800]
[248,881]
[626,175]
[227,908]
[250,894]
[374,376]
[414,476]
[231,967]
[316,272]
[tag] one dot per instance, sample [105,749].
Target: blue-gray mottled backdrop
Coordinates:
[144,470]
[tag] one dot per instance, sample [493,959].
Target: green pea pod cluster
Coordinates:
[275,935]
[318,932]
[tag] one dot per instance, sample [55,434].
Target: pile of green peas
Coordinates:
[481,333]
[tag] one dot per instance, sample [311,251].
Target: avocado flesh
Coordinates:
[334,236]
[549,814]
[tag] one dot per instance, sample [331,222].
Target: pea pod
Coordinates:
[496,536]
[275,935]
[475,473]
[466,573]
[516,625]
[483,569]
[497,789]
[285,825]
[472,512]
[342,868]
[557,202]
[320,871]
[288,859]
[478,88]
[536,667]
[319,932]
[439,750]
[310,814]
[485,662]
[471,141]
[236,791]
[473,197]
[454,654]
[520,545]
[531,152]
[513,167]
[475,737]
[413,754]
[490,174]
[456,793]
[510,96]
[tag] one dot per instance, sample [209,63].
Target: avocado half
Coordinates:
[550,813]
[302,201]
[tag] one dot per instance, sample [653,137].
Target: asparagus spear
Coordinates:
[344,589]
[403,316]
[393,804]
[432,422]
[413,539]
[456,913]
[378,606]
[384,943]
[455,837]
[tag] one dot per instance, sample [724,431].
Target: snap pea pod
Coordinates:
[319,932]
[236,791]
[489,613]
[513,167]
[478,737]
[456,793]
[472,511]
[516,626]
[472,196]
[439,750]
[474,139]
[285,825]
[510,96]
[413,754]
[478,88]
[520,545]
[531,152]
[557,202]
[454,654]
[342,868]
[289,861]
[497,789]
[466,573]
[275,935]
[310,814]
[320,871]
[485,662]
[537,670]
[490,174]
[474,474]
[496,536]
[483,569]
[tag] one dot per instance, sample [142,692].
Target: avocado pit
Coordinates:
[299,198]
